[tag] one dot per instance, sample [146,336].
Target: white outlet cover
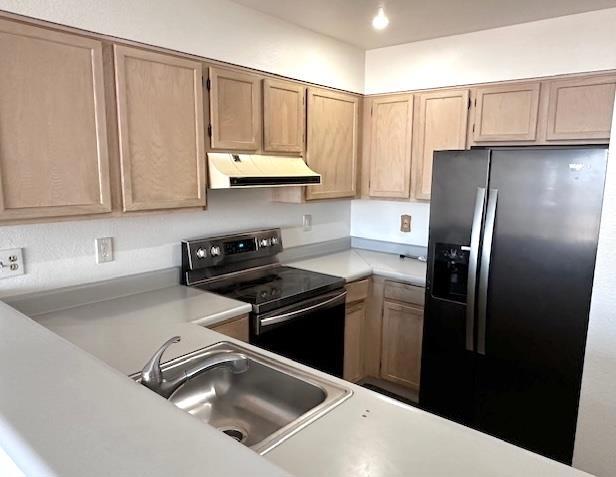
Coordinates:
[11,262]
[104,249]
[307,222]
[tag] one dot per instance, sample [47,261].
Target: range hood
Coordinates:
[231,171]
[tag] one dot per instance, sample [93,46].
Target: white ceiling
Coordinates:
[413,20]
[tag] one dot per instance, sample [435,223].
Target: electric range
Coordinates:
[296,313]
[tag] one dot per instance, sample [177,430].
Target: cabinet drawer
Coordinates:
[405,293]
[357,291]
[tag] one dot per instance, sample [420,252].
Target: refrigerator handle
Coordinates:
[472,267]
[484,273]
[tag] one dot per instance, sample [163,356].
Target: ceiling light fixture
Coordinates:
[380,21]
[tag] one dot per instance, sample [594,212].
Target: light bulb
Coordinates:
[380,21]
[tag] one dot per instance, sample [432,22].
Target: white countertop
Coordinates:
[354,264]
[138,324]
[64,413]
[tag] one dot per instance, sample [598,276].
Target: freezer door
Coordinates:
[456,211]
[534,293]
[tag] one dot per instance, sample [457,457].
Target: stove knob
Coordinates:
[201,253]
[215,251]
[275,240]
[265,242]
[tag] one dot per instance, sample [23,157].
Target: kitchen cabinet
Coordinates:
[440,123]
[580,108]
[332,143]
[401,346]
[390,155]
[53,133]
[284,116]
[353,342]
[355,329]
[506,112]
[234,328]
[160,123]
[235,110]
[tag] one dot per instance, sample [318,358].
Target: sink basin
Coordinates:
[260,407]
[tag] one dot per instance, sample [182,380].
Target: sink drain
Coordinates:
[237,434]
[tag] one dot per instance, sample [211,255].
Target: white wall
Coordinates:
[380,220]
[595,443]
[62,254]
[217,29]
[574,43]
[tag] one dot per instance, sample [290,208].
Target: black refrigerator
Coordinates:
[511,257]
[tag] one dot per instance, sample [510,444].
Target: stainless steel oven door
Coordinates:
[310,332]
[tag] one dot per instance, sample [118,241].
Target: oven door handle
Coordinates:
[273,320]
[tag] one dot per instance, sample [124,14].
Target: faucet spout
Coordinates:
[152,376]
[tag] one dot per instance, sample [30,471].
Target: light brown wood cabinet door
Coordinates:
[440,124]
[53,137]
[331,149]
[390,155]
[236,328]
[506,112]
[580,108]
[354,342]
[284,116]
[235,110]
[401,344]
[160,120]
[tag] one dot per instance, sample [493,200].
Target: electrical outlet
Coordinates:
[104,249]
[405,223]
[307,222]
[11,262]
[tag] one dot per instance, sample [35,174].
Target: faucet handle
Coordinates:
[151,375]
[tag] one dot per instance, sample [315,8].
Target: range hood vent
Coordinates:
[234,171]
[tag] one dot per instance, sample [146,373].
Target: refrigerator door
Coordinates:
[456,212]
[534,293]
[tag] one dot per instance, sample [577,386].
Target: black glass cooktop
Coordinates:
[271,288]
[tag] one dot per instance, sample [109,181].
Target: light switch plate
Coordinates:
[405,223]
[307,222]
[11,262]
[104,249]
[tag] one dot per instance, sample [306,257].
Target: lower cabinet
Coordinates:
[234,328]
[401,343]
[354,342]
[355,330]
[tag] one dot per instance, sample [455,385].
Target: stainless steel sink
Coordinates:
[260,407]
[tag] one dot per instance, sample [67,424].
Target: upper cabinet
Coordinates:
[331,150]
[284,116]
[53,136]
[235,110]
[160,121]
[392,132]
[440,123]
[506,112]
[580,108]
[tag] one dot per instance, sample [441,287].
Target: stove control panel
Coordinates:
[216,251]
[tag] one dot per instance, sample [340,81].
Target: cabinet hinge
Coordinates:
[209,130]
[208,84]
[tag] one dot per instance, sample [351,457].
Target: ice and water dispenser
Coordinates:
[450,272]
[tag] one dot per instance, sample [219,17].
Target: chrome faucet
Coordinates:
[152,376]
